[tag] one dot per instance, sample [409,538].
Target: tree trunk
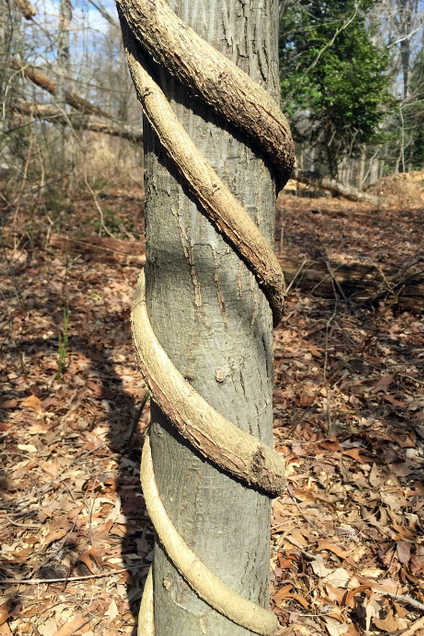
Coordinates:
[63,59]
[215,325]
[405,20]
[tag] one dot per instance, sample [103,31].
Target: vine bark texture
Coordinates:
[216,144]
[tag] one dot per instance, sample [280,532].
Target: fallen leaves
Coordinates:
[351,544]
[32,402]
[346,540]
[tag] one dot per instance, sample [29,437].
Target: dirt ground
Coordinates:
[347,543]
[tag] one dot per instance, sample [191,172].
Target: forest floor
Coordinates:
[347,544]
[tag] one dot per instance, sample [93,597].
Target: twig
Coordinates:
[415,627]
[71,578]
[296,275]
[88,620]
[329,275]
[401,597]
[93,194]
[136,420]
[409,377]
[326,383]
[21,525]
[90,509]
[361,345]
[306,518]
[383,275]
[335,281]
[59,474]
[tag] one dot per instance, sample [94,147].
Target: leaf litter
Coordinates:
[347,544]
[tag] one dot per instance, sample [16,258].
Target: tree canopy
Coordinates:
[334,78]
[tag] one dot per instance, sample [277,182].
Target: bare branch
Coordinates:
[41,80]
[77,121]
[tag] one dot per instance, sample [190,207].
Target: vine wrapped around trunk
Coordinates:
[232,94]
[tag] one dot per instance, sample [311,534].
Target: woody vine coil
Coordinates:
[151,26]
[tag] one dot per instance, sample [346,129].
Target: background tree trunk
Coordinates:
[215,325]
[63,59]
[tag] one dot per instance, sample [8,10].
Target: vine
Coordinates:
[150,25]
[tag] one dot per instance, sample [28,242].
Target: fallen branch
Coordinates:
[355,282]
[78,121]
[316,180]
[63,579]
[41,80]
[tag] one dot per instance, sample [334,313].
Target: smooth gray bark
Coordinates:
[63,57]
[215,325]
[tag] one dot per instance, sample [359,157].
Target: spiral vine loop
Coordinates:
[150,25]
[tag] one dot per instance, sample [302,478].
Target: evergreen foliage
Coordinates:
[334,79]
[415,114]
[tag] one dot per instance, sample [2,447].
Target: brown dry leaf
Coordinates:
[393,401]
[402,469]
[50,467]
[307,494]
[325,544]
[335,594]
[334,627]
[5,630]
[282,594]
[351,631]
[284,563]
[279,512]
[97,389]
[20,556]
[403,552]
[417,566]
[299,537]
[388,585]
[390,623]
[300,600]
[349,600]
[405,441]
[48,628]
[339,578]
[316,351]
[331,446]
[72,627]
[112,611]
[85,558]
[419,488]
[101,532]
[375,477]
[383,384]
[4,610]
[394,500]
[33,402]
[57,529]
[360,454]
[319,567]
[27,448]
[401,611]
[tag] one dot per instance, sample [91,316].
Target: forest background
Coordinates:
[347,550]
[352,79]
